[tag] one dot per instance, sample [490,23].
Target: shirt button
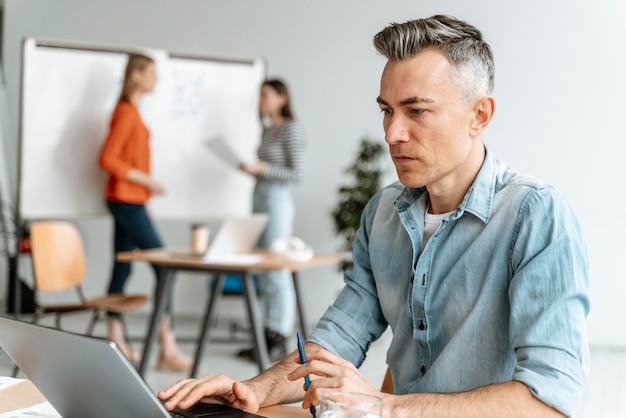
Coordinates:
[421,326]
[423,370]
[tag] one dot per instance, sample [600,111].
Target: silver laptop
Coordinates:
[236,238]
[85,376]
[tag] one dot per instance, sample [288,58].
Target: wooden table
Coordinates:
[175,260]
[25,395]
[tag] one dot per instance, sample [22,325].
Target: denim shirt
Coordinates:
[499,293]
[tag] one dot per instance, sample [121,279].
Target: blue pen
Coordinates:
[307,381]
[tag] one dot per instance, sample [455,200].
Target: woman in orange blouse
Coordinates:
[126,157]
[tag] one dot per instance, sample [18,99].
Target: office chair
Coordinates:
[234,287]
[59,265]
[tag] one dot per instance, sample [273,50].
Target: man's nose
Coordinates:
[396,129]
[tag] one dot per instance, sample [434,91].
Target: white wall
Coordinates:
[559,90]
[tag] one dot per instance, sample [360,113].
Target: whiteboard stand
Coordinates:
[8,214]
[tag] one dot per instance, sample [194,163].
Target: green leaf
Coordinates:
[366,172]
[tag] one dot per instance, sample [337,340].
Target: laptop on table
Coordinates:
[84,376]
[234,240]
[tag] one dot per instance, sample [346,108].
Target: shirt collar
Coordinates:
[478,200]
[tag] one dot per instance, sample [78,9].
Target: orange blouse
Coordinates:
[127,146]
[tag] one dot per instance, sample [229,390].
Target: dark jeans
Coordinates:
[132,229]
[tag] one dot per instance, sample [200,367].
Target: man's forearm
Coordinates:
[511,399]
[272,386]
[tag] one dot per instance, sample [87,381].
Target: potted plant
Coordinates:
[366,172]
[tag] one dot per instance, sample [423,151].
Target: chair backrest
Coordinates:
[58,255]
[387,386]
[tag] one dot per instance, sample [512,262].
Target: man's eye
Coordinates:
[416,111]
[385,111]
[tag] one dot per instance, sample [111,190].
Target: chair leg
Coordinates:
[125,328]
[15,371]
[36,315]
[33,320]
[92,322]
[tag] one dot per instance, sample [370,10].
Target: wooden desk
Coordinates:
[172,261]
[25,395]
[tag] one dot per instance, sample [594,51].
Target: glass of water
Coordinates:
[350,405]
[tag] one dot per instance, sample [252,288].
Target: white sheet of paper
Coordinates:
[44,410]
[38,410]
[235,259]
[224,151]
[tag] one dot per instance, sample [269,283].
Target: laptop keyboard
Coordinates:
[212,410]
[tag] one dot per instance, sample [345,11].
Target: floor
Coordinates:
[604,396]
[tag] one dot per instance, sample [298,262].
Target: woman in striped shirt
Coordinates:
[280,165]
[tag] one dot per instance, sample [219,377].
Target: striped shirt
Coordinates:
[282,148]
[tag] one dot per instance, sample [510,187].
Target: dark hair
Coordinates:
[281,88]
[135,62]
[461,43]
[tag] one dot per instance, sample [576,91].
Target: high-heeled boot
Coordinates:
[117,334]
[170,357]
[276,347]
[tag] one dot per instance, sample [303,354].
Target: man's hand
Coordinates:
[185,393]
[329,373]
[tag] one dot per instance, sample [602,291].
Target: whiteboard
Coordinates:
[68,94]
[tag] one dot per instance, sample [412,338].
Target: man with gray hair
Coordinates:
[480,272]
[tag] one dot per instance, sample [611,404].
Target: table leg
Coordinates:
[14,291]
[299,305]
[252,303]
[160,297]
[207,322]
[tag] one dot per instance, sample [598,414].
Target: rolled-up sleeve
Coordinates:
[549,299]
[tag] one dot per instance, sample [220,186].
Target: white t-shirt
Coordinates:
[431,223]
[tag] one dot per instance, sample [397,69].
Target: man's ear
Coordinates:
[483,112]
